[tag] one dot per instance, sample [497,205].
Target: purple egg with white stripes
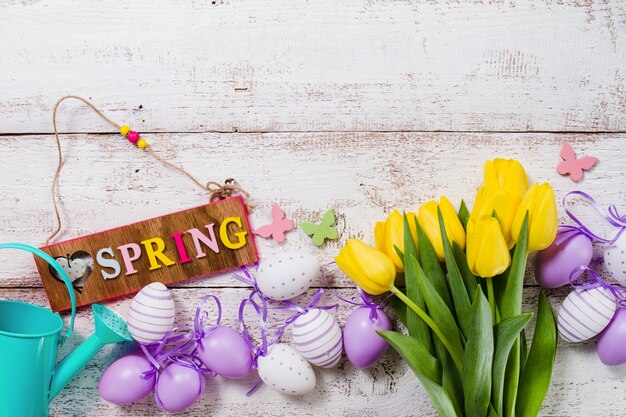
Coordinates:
[151,313]
[585,313]
[317,336]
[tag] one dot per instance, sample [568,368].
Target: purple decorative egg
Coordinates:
[554,265]
[225,352]
[123,381]
[364,347]
[178,387]
[612,340]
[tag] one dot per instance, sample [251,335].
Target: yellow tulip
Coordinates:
[543,220]
[487,251]
[390,233]
[429,222]
[507,175]
[505,206]
[368,267]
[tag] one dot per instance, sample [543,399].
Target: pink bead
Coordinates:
[132,136]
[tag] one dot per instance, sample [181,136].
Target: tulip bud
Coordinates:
[507,175]
[487,251]
[540,204]
[429,222]
[502,203]
[370,269]
[390,233]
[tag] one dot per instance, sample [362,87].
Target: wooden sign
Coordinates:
[179,246]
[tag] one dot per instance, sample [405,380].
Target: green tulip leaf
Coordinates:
[439,312]
[462,305]
[511,304]
[432,267]
[450,377]
[478,358]
[463,214]
[536,375]
[468,277]
[511,380]
[505,334]
[425,367]
[492,412]
[415,325]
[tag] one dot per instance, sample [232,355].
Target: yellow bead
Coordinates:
[124,130]
[142,144]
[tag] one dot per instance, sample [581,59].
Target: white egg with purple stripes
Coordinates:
[317,336]
[585,313]
[151,313]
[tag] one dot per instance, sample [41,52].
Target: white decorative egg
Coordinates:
[615,259]
[151,313]
[585,313]
[284,370]
[317,336]
[286,275]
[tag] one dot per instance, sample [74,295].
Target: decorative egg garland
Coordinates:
[176,360]
[594,307]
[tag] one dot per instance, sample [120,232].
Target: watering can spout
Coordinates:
[110,328]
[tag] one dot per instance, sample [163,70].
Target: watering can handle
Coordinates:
[54,264]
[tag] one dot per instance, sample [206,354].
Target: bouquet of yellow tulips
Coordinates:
[462,304]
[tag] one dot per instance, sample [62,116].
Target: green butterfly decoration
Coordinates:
[320,232]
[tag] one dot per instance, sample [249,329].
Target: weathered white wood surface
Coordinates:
[254,65]
[326,80]
[105,183]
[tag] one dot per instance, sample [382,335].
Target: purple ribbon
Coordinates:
[611,215]
[249,279]
[595,281]
[159,356]
[261,350]
[201,316]
[288,305]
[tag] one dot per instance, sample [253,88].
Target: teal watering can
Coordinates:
[29,338]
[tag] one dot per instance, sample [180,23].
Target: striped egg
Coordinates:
[585,313]
[151,313]
[317,336]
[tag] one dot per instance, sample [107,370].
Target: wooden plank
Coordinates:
[171,248]
[363,176]
[580,385]
[361,65]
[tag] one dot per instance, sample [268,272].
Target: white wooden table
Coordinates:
[360,105]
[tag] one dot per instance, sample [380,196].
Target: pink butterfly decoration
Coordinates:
[572,165]
[280,224]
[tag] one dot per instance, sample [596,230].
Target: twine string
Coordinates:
[218,191]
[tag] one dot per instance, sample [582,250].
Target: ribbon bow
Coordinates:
[595,281]
[611,215]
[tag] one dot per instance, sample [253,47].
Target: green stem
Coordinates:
[492,300]
[422,314]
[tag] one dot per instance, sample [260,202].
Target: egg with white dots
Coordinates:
[286,371]
[151,313]
[615,259]
[287,275]
[585,313]
[317,336]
